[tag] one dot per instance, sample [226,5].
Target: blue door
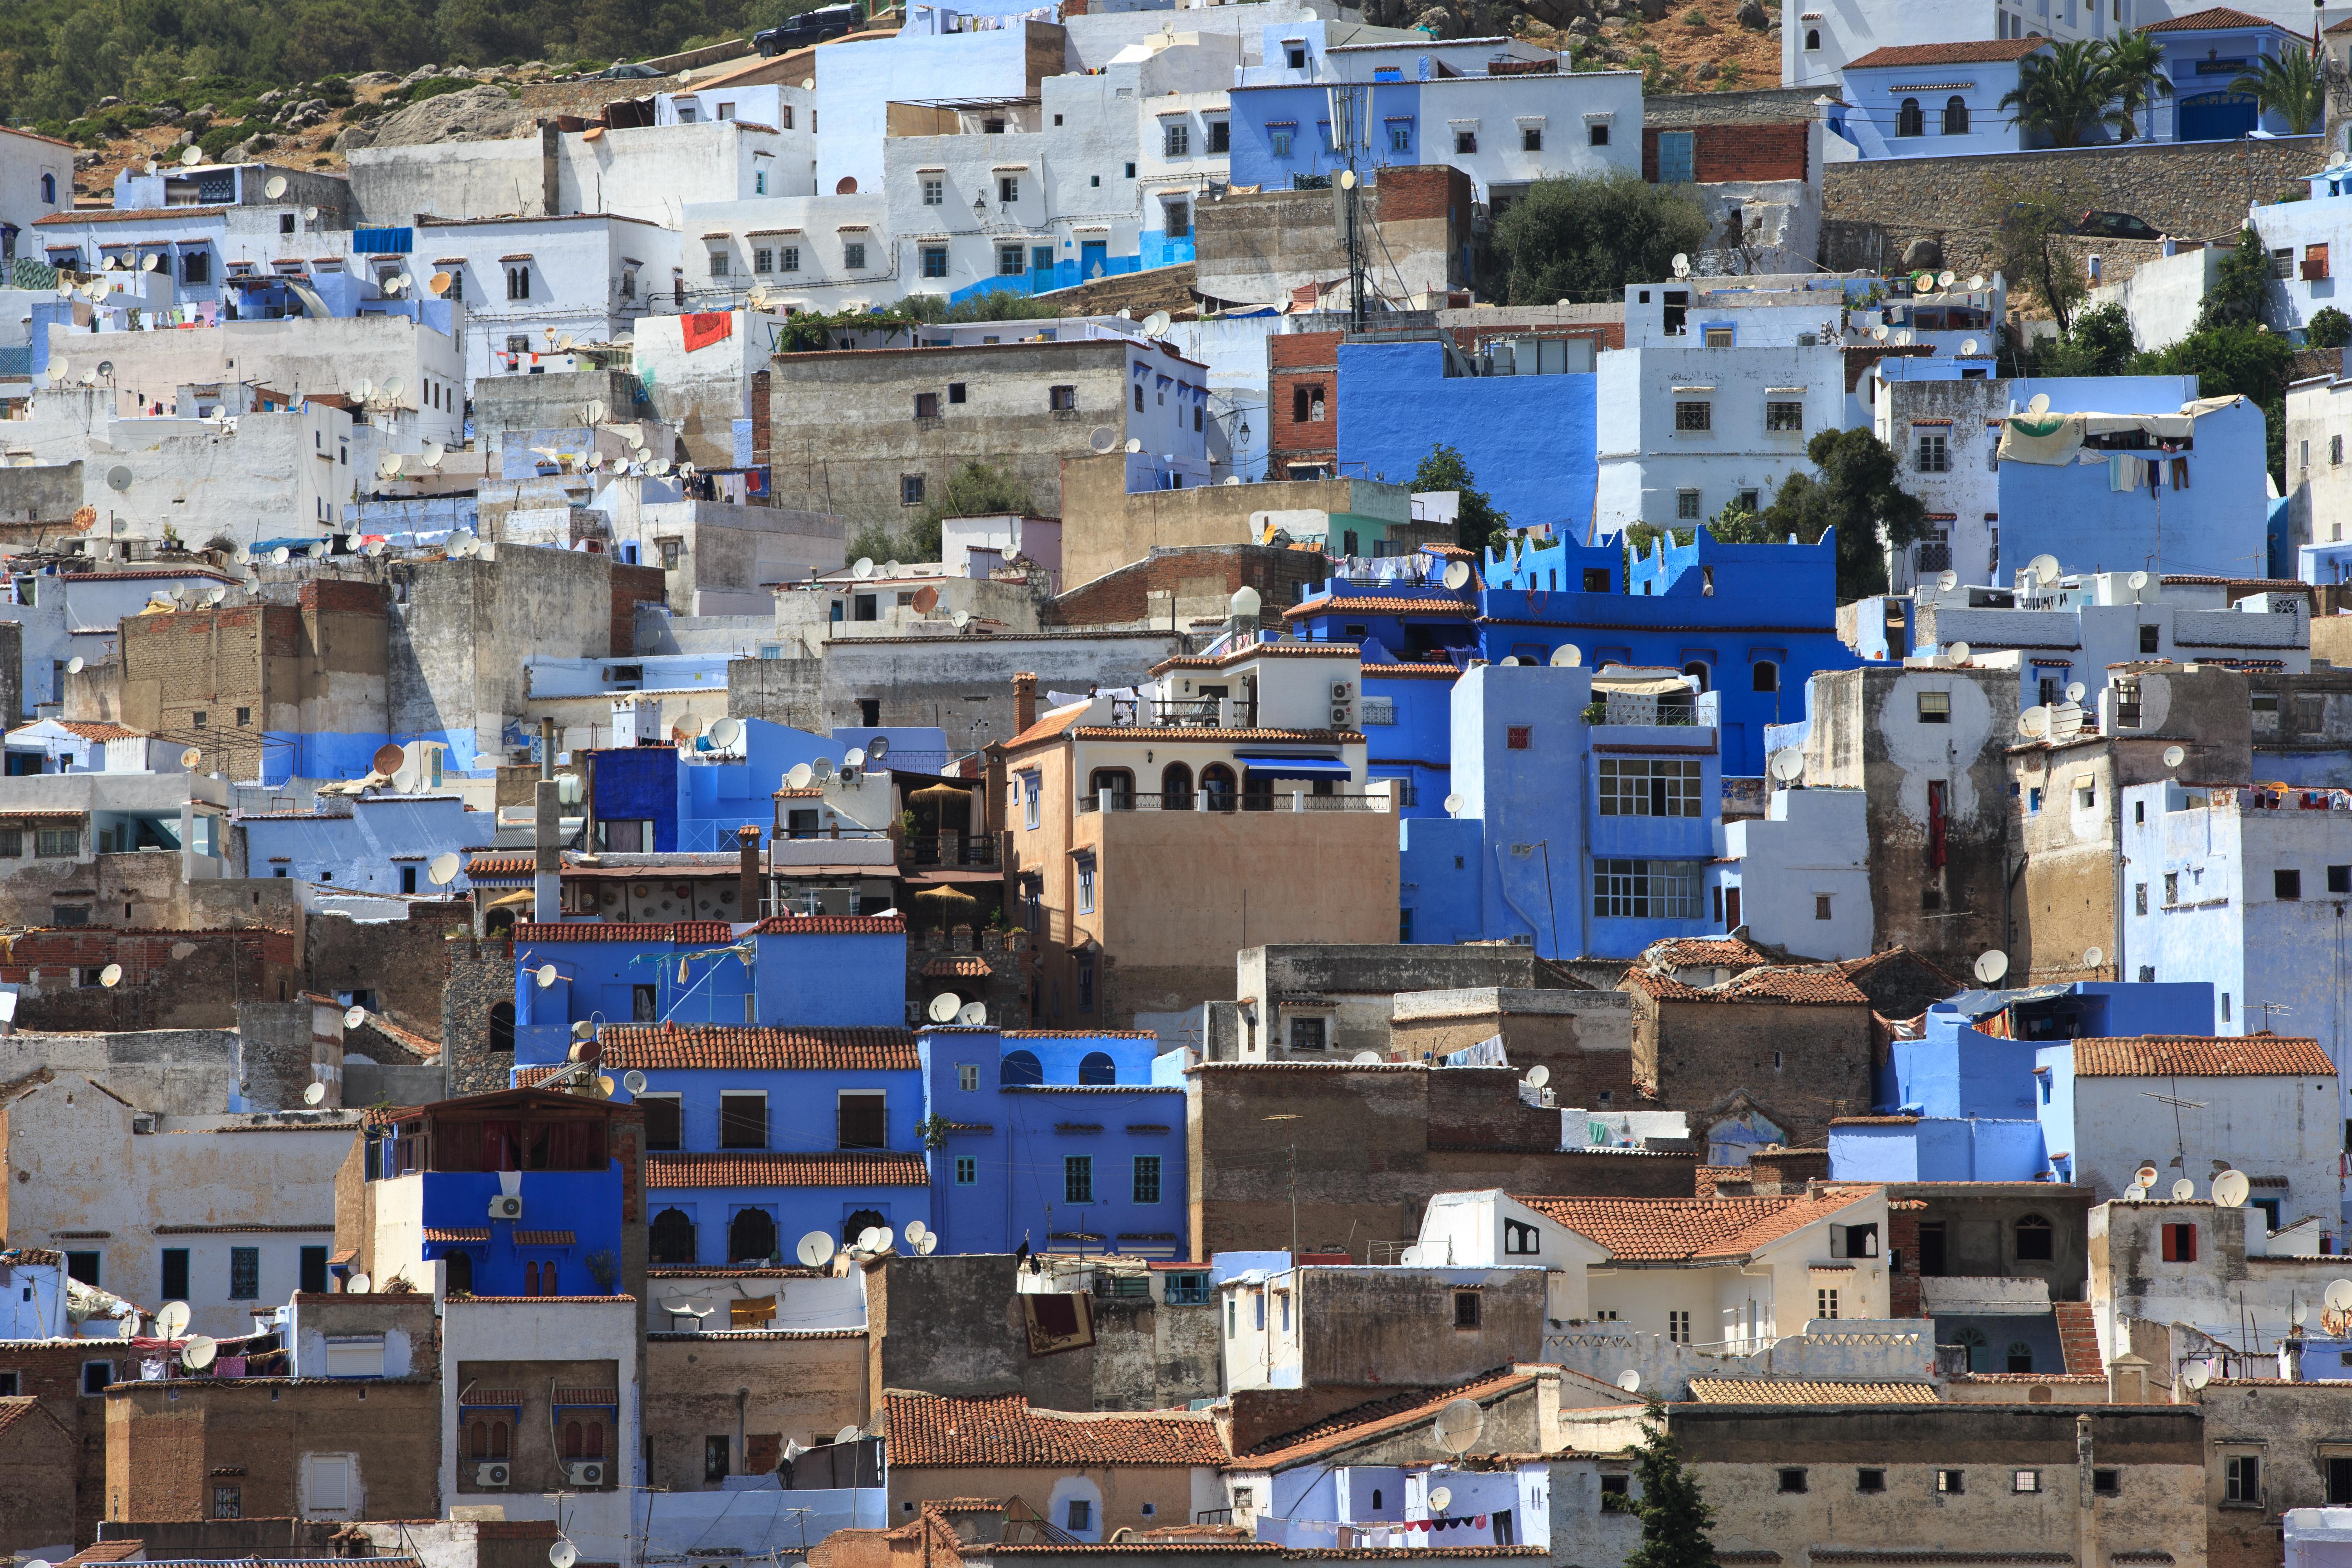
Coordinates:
[1041,268]
[2217,116]
[1094,257]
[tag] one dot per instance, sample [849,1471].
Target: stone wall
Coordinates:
[481,976]
[2196,190]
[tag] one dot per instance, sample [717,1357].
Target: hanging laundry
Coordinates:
[151,1370]
[229,1366]
[2180,473]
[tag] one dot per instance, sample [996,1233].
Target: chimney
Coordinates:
[1025,702]
[747,875]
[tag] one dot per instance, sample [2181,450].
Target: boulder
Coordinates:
[421,72]
[475,114]
[1753,16]
[1925,254]
[374,78]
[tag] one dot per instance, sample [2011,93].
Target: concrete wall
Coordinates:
[1257,249]
[930,681]
[805,1387]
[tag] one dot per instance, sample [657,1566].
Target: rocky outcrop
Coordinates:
[475,114]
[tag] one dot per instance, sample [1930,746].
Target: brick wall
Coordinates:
[634,585]
[171,979]
[51,1374]
[1133,593]
[342,595]
[1746,153]
[480,976]
[405,962]
[1426,191]
[170,1445]
[1307,361]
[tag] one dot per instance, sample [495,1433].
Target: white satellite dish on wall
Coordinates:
[633,1081]
[815,1249]
[1457,575]
[1991,965]
[1567,656]
[2174,756]
[1788,765]
[943,1008]
[1460,1424]
[2231,1188]
[1440,1499]
[1958,653]
[314,1094]
[444,868]
[173,1320]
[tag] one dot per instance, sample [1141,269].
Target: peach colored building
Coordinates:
[1223,804]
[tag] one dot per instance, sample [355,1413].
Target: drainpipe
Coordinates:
[547,879]
[747,873]
[743,1453]
[2086,1529]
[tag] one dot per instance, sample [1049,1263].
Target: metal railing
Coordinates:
[1190,712]
[949,848]
[1633,708]
[1115,800]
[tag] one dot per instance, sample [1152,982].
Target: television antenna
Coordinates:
[563,1554]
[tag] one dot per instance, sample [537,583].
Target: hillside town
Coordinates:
[1668,1032]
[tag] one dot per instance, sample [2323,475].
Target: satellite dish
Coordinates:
[943,1008]
[597,411]
[2039,405]
[1788,765]
[1510,661]
[2197,1373]
[2302,1314]
[1231,479]
[815,1249]
[2138,580]
[191,156]
[76,665]
[2230,1189]
[1976,280]
[1440,1499]
[89,378]
[173,1320]
[394,388]
[725,732]
[2174,756]
[2065,721]
[1457,575]
[312,214]
[1880,333]
[1946,580]
[545,975]
[355,1015]
[111,976]
[444,869]
[147,262]
[2338,1295]
[1156,323]
[275,187]
[973,1015]
[691,725]
[1944,280]
[821,769]
[1991,965]
[2144,1176]
[198,1353]
[1958,652]
[387,759]
[214,595]
[1454,804]
[915,1230]
[1628,1379]
[1904,337]
[563,1554]
[58,361]
[1366,1058]
[1681,265]
[1538,1075]
[633,1081]
[799,777]
[365,390]
[2044,569]
[119,477]
[925,1247]
[2034,723]
[2183,1190]
[2094,956]
[1460,1424]
[1567,656]
[1968,346]
[281,557]
[2076,691]
[862,568]
[190,758]
[853,758]
[439,283]
[847,1434]
[312,1094]
[1134,444]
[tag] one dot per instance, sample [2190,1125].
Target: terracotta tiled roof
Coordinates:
[490,1396]
[831,925]
[740,1046]
[969,965]
[1705,953]
[1811,985]
[1270,647]
[2078,1339]
[830,1169]
[1805,1391]
[1978,51]
[95,730]
[2212,18]
[1050,724]
[2201,1056]
[544,1239]
[1004,1432]
[692,932]
[14,1410]
[502,865]
[1670,1230]
[125,214]
[1399,1412]
[1172,734]
[1411,672]
[105,1551]
[456,1234]
[587,1397]
[1383,605]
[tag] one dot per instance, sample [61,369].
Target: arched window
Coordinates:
[1175,787]
[1813,37]
[499,923]
[1956,116]
[49,189]
[856,1225]
[1118,782]
[502,1029]
[572,1440]
[478,1436]
[2020,1356]
[547,1281]
[1909,120]
[2034,1235]
[530,1278]
[592,1440]
[458,1272]
[1097,1068]
[1696,669]
[499,1448]
[751,1236]
[672,1240]
[1973,1338]
[1764,676]
[1217,784]
[1019,1067]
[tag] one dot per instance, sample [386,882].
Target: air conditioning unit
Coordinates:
[586,1472]
[1339,716]
[507,1205]
[490,1475]
[1342,691]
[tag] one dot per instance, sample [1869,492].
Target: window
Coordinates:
[1401,136]
[228,1501]
[1695,416]
[1078,1178]
[50,189]
[50,843]
[244,1274]
[2106,1483]
[955,395]
[719,263]
[1687,506]
[863,1119]
[1307,1034]
[910,493]
[1784,416]
[1825,1304]
[1530,138]
[853,256]
[2282,263]
[1814,41]
[1306,403]
[788,258]
[2242,1479]
[197,267]
[175,1274]
[743,1121]
[714,1453]
[2127,693]
[1466,1308]
[1175,139]
[1639,787]
[1521,1239]
[1179,216]
[1279,144]
[519,282]
[1081,1514]
[1679,1327]
[2172,887]
[2180,1244]
[1517,737]
[1951,1483]
[1465,142]
[1909,121]
[1085,886]
[2286,884]
[1146,1178]
[2025,1480]
[1793,1480]
[1870,1480]
[1821,906]
[1935,707]
[1008,188]
[96,1375]
[2335,451]
[1956,116]
[313,1271]
[2339,1480]
[663,1118]
[935,191]
[927,405]
[1062,399]
[967,1170]
[935,261]
[1645,889]
[1010,261]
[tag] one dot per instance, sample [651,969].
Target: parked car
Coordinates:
[2116,225]
[627,71]
[808,28]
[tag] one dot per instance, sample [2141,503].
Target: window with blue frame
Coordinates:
[967,1170]
[1278,143]
[1078,1178]
[1399,136]
[1146,1178]
[1388,73]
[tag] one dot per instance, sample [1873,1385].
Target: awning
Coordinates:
[1294,767]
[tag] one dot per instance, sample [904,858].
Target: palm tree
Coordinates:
[2289,85]
[2062,95]
[2135,68]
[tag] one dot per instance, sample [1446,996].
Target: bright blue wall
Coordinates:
[1958,1070]
[795,1210]
[320,753]
[638,782]
[1442,897]
[585,1203]
[2218,527]
[1529,440]
[357,851]
[1418,746]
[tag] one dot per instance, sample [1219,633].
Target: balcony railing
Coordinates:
[1190,712]
[1204,800]
[1633,708]
[949,849]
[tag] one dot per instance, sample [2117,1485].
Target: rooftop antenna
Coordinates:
[2076,691]
[2034,724]
[2197,1374]
[2183,1190]
[563,1554]
[2138,580]
[1460,1424]
[1991,965]
[355,1015]
[1681,265]
[862,568]
[2039,404]
[725,732]
[76,665]
[821,769]
[1457,575]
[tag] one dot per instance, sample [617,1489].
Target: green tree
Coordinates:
[2061,98]
[976,489]
[2241,359]
[2327,329]
[2289,84]
[1855,491]
[1675,1514]
[1584,239]
[2030,219]
[2241,294]
[1479,525]
[2098,344]
[2134,67]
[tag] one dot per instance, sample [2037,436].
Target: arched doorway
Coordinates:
[502,1029]
[458,1273]
[672,1240]
[1217,784]
[859,1224]
[751,1236]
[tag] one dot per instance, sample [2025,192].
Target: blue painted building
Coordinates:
[1059,1140]
[1530,439]
[382,844]
[549,1156]
[672,800]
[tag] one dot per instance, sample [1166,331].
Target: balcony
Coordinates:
[1112,800]
[949,849]
[1187,712]
[1641,709]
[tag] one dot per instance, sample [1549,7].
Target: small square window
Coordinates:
[1695,416]
[1821,906]
[1531,139]
[911,490]
[1465,142]
[1935,707]
[2106,1483]
[1951,1483]
[1519,737]
[2339,878]
[853,256]
[927,405]
[1062,399]
[955,392]
[967,1170]
[1793,1480]
[1596,135]
[1870,1480]
[935,261]
[1466,1308]
[2286,883]
[1687,506]
[2025,1480]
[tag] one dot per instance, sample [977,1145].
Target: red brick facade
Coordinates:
[157,990]
[51,1374]
[1120,597]
[1302,415]
[1726,152]
[633,585]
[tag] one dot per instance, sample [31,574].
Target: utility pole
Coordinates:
[1290,1165]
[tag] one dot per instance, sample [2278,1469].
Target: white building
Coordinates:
[642,172]
[1821,41]
[92,746]
[2319,479]
[1802,871]
[35,179]
[1685,431]
[529,284]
